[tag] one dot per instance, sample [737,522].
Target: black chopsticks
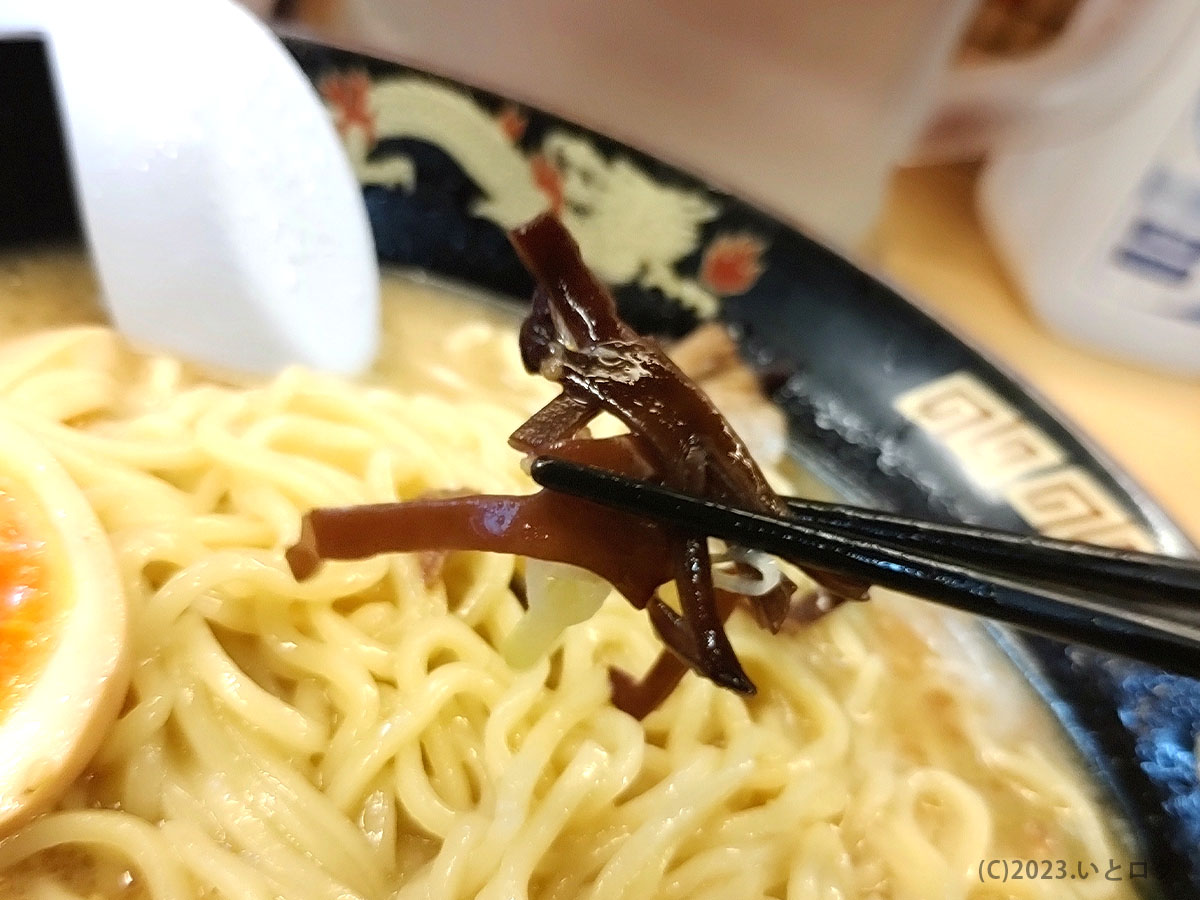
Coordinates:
[1127,574]
[1139,605]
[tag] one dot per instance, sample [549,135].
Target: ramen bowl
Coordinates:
[882,405]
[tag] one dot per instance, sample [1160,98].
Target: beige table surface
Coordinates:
[930,242]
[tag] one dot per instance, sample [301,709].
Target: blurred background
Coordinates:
[1029,170]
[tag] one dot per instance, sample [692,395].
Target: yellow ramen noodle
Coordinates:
[360,736]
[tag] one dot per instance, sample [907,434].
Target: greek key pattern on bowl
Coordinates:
[1006,454]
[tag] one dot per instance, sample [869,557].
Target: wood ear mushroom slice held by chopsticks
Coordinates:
[574,337]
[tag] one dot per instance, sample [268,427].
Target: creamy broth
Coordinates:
[891,749]
[435,338]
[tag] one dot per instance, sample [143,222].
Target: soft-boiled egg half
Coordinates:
[63,668]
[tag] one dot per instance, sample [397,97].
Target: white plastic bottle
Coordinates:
[1101,226]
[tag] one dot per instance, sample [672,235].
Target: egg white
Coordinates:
[55,725]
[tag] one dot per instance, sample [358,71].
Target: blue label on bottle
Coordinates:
[1158,251]
[1153,254]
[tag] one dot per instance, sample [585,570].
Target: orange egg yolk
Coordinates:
[27,614]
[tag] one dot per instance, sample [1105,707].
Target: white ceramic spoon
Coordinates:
[223,218]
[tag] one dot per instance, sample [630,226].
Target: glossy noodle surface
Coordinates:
[360,734]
